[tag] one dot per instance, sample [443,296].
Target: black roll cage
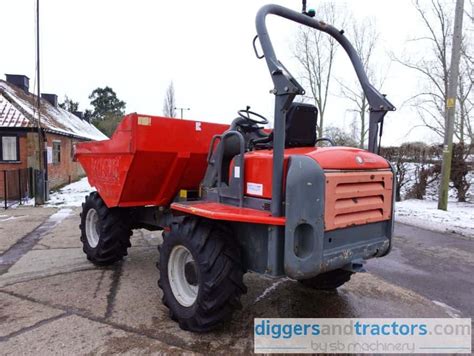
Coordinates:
[286,88]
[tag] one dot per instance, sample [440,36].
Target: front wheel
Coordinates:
[328,281]
[105,233]
[201,274]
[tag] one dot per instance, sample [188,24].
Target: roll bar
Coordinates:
[286,88]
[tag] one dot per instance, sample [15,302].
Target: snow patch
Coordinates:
[452,312]
[2,219]
[71,195]
[459,218]
[60,215]
[267,291]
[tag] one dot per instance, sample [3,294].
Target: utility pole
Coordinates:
[451,107]
[182,109]
[39,178]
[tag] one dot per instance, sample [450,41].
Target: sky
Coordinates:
[205,47]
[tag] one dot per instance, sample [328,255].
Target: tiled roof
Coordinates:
[11,116]
[18,109]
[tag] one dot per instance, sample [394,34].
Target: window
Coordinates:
[9,148]
[56,152]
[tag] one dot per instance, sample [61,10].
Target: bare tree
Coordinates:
[398,157]
[432,64]
[470,15]
[464,125]
[364,37]
[169,104]
[340,136]
[315,51]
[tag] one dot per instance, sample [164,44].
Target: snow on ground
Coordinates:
[7,218]
[424,213]
[71,195]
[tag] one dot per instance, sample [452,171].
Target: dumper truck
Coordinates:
[239,198]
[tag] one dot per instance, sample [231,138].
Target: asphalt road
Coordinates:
[52,300]
[439,266]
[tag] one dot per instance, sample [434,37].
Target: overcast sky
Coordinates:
[204,47]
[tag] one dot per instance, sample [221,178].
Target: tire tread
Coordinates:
[115,232]
[219,261]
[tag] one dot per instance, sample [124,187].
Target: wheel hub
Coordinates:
[92,228]
[183,276]
[190,273]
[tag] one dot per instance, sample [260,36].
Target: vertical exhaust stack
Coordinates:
[50,98]
[19,80]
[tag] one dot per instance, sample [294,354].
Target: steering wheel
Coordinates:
[245,114]
[331,141]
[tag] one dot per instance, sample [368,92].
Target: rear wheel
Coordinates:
[328,281]
[105,233]
[201,274]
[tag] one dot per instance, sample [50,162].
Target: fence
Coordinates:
[15,187]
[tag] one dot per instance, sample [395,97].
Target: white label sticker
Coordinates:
[255,189]
[198,126]
[49,155]
[144,121]
[236,172]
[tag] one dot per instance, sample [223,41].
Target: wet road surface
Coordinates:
[439,266]
[52,300]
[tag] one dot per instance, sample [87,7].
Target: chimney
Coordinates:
[85,116]
[50,98]
[19,80]
[79,114]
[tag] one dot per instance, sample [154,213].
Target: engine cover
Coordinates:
[258,165]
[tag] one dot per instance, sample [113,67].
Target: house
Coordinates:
[19,137]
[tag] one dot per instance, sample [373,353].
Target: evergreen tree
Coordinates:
[107,110]
[106,104]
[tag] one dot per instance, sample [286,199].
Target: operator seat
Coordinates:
[300,128]
[301,125]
